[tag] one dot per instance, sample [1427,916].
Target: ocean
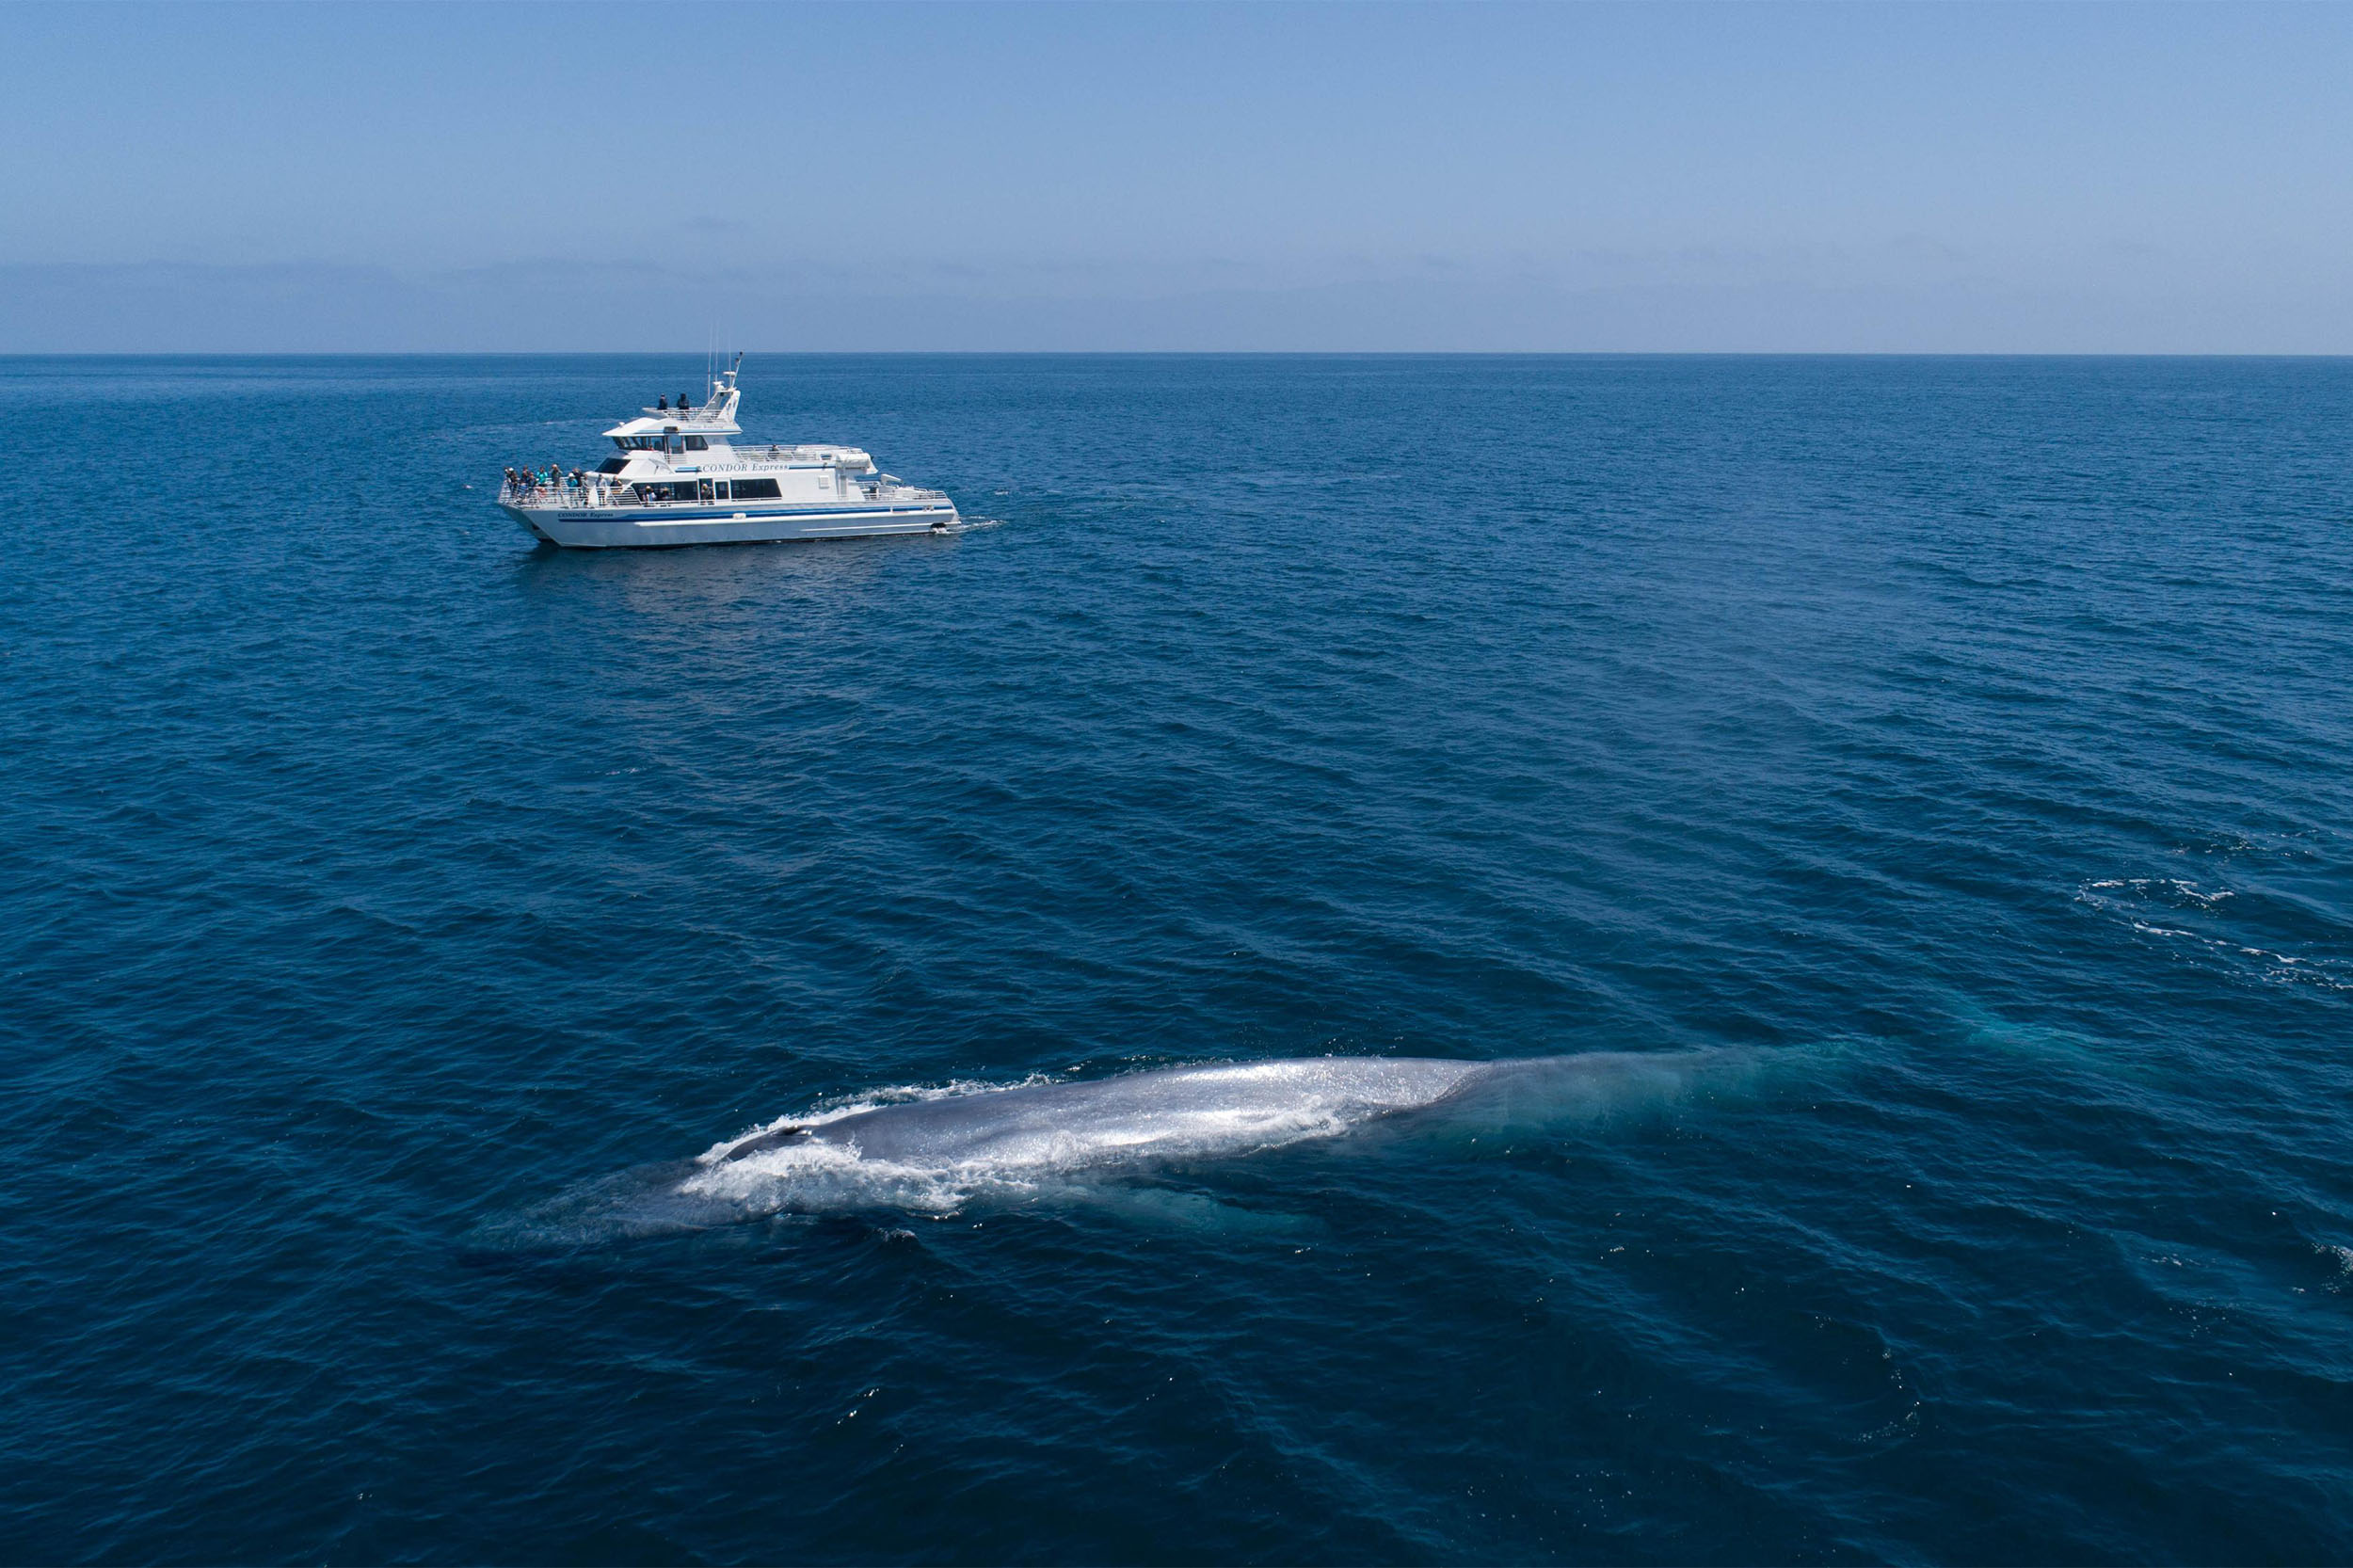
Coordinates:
[1942,767]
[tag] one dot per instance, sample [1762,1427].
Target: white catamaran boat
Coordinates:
[684,476]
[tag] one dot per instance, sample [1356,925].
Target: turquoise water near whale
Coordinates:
[1961,746]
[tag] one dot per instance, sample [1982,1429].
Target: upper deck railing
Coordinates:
[594,491]
[750,452]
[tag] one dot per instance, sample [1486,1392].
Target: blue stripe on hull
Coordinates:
[619,528]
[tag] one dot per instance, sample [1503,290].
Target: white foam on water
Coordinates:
[2138,900]
[812,1178]
[825,1111]
[2163,886]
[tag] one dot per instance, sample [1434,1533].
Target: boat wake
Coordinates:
[940,1151]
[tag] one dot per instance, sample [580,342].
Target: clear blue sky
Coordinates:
[2093,178]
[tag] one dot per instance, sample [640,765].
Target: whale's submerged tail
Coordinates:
[936,1152]
[1532,1093]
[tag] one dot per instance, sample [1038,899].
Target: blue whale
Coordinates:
[939,1152]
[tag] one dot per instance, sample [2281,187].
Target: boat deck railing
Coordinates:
[600,494]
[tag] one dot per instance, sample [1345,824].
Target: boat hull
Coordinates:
[656,528]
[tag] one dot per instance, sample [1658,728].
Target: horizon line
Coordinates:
[1173,354]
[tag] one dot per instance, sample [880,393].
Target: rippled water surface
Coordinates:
[1942,767]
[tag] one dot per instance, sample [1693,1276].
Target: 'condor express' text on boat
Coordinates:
[685,477]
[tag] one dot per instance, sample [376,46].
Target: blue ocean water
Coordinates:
[1963,745]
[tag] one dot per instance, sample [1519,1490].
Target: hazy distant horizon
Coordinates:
[754,356]
[1770,179]
[169,307]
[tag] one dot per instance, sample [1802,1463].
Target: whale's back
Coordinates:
[1166,1114]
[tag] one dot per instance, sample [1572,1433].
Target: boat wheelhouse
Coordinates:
[685,475]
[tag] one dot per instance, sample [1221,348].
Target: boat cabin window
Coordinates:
[613,465]
[695,443]
[758,489]
[685,489]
